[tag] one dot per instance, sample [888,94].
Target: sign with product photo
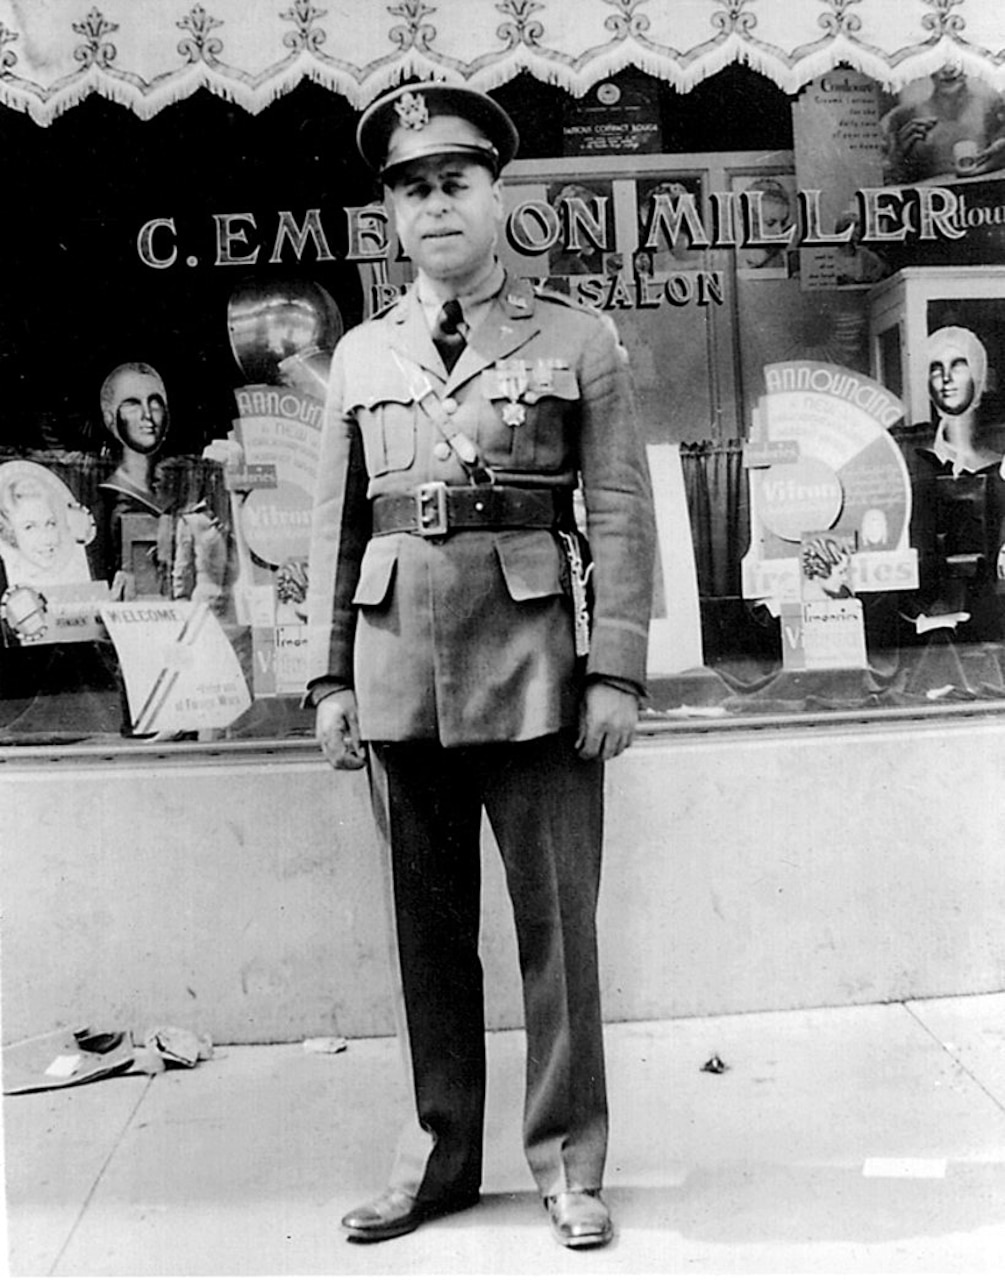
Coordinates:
[826,631]
[849,486]
[47,592]
[279,434]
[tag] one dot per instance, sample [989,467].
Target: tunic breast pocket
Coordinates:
[386,415]
[533,431]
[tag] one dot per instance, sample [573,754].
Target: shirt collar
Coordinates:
[471,303]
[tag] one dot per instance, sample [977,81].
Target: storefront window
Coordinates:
[810,290]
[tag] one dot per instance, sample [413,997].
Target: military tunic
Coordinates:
[460,650]
[468,638]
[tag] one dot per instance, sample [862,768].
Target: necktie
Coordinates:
[447,335]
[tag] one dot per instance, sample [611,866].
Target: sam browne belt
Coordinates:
[435,509]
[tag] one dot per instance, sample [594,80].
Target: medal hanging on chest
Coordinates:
[513,382]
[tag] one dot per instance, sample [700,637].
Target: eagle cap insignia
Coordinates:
[412,111]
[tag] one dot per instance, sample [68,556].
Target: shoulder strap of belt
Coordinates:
[431,405]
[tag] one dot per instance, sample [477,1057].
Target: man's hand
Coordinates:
[607,720]
[336,727]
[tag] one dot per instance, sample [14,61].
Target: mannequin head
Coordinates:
[957,371]
[134,408]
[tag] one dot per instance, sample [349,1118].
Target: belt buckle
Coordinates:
[431,509]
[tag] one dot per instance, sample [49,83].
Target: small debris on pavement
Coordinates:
[179,1047]
[325,1044]
[715,1065]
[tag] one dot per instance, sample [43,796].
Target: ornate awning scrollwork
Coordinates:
[149,53]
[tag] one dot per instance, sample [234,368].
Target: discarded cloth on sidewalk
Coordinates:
[68,1057]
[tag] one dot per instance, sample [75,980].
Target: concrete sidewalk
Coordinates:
[863,1139]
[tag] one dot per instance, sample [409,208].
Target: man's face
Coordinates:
[951,382]
[140,411]
[447,211]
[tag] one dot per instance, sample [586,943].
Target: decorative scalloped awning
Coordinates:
[147,54]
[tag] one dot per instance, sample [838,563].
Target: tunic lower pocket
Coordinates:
[531,564]
[376,573]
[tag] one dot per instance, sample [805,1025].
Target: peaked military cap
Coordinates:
[430,119]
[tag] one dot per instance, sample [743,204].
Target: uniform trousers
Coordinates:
[545,807]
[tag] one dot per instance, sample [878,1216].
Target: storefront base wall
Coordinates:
[746,870]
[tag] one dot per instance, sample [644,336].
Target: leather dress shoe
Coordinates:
[396,1213]
[579,1219]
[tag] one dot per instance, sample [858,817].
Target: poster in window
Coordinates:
[767,225]
[584,214]
[668,208]
[47,594]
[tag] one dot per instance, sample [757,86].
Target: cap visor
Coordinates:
[487,156]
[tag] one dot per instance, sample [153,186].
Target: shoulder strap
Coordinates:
[429,402]
[563,299]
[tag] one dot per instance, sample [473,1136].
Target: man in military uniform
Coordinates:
[448,632]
